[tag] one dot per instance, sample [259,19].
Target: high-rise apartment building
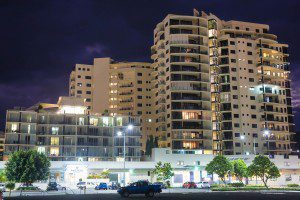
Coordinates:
[221,86]
[182,83]
[64,132]
[117,88]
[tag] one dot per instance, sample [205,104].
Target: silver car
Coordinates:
[203,184]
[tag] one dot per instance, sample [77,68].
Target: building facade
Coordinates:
[64,132]
[221,87]
[116,88]
[186,168]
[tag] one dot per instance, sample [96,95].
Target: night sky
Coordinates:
[41,41]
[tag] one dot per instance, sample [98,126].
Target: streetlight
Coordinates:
[119,133]
[267,135]
[242,138]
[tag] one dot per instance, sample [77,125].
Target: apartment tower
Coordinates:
[221,87]
[181,83]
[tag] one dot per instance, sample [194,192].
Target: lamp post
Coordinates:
[242,138]
[129,127]
[267,135]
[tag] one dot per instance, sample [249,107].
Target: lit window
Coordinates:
[14,127]
[189,115]
[54,151]
[54,130]
[54,140]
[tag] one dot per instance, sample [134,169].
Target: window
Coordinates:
[250,71]
[54,130]
[249,53]
[139,82]
[253,116]
[249,44]
[252,97]
[233,69]
[253,107]
[88,77]
[139,97]
[236,116]
[236,125]
[232,43]
[234,87]
[139,104]
[54,141]
[251,79]
[233,78]
[140,89]
[287,163]
[139,74]
[250,62]
[88,92]
[237,144]
[235,96]
[88,85]
[237,134]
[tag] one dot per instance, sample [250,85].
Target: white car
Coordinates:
[2,187]
[85,185]
[203,184]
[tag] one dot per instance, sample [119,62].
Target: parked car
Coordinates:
[84,185]
[189,185]
[140,187]
[2,187]
[53,186]
[203,184]
[101,186]
[113,185]
[162,185]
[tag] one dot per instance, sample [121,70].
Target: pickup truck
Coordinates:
[140,187]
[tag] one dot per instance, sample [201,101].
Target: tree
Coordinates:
[10,186]
[105,173]
[239,169]
[164,172]
[2,176]
[220,165]
[27,167]
[263,168]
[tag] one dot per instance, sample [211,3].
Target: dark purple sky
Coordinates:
[40,41]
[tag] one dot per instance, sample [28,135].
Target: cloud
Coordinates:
[95,48]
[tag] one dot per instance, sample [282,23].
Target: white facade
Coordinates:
[187,167]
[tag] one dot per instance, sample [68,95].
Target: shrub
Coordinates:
[292,185]
[236,184]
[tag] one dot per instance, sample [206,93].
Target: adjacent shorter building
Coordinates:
[116,88]
[64,132]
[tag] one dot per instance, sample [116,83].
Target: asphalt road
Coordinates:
[177,196]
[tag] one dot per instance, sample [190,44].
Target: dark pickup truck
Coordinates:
[140,187]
